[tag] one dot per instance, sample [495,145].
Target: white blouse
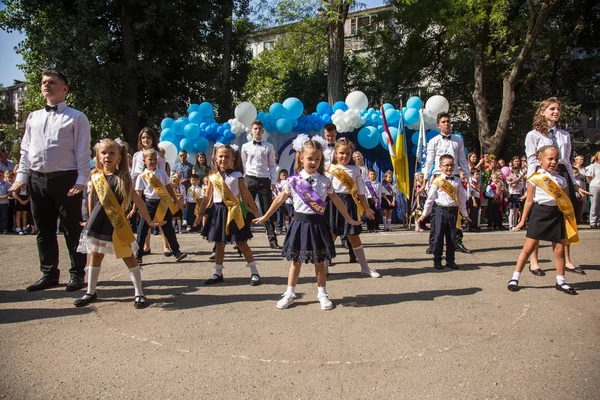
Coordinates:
[543,198]
[354,172]
[231,180]
[321,185]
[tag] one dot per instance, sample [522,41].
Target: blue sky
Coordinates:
[10,59]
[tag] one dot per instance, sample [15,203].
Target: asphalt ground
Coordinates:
[415,333]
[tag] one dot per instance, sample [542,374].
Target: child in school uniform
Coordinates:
[286,210]
[475,200]
[373,199]
[309,239]
[516,183]
[494,192]
[450,197]
[348,184]
[180,194]
[21,208]
[551,217]
[193,199]
[155,185]
[4,204]
[227,220]
[388,200]
[111,190]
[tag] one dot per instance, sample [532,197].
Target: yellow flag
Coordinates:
[400,162]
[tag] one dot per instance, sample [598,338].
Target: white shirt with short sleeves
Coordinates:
[543,198]
[321,185]
[354,172]
[441,198]
[149,192]
[231,180]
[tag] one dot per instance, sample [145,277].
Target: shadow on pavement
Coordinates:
[31,314]
[371,300]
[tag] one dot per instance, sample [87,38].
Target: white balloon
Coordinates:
[170,152]
[245,112]
[429,118]
[357,100]
[437,104]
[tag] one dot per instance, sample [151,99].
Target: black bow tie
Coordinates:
[446,137]
[257,143]
[310,180]
[449,178]
[330,145]
[51,108]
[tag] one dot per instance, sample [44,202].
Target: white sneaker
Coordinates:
[212,256]
[372,273]
[286,301]
[326,304]
[21,233]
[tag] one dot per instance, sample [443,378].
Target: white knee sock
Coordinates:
[136,279]
[359,252]
[287,226]
[179,225]
[93,274]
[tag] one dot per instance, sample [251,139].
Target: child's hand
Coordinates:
[421,218]
[523,197]
[260,220]
[467,219]
[197,220]
[518,227]
[131,214]
[369,213]
[354,222]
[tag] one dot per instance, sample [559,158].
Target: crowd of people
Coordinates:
[330,194]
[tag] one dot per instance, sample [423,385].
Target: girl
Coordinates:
[494,192]
[348,184]
[388,200]
[22,208]
[547,221]
[420,198]
[180,193]
[286,211]
[111,190]
[516,183]
[546,133]
[309,239]
[201,167]
[227,225]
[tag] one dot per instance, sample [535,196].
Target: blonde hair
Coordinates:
[343,142]
[309,144]
[540,123]
[542,150]
[388,173]
[124,184]
[150,153]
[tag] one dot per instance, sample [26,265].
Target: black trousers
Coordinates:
[494,215]
[191,217]
[473,213]
[262,188]
[49,201]
[457,234]
[444,223]
[167,228]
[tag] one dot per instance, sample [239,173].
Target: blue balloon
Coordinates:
[294,107]
[387,106]
[283,125]
[368,137]
[220,130]
[185,119]
[411,116]
[277,110]
[205,109]
[392,116]
[192,108]
[340,105]
[178,126]
[166,123]
[191,131]
[414,102]
[227,125]
[187,145]
[201,144]
[167,135]
[203,126]
[415,138]
[326,118]
[195,117]
[324,108]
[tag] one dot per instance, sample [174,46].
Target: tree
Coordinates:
[130,63]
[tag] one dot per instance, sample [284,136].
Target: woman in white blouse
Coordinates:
[592,173]
[546,133]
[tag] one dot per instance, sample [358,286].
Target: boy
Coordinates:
[155,185]
[194,195]
[494,192]
[474,201]
[449,196]
[374,200]
[4,186]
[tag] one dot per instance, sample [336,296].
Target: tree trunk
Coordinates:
[131,124]
[337,14]
[479,98]
[225,111]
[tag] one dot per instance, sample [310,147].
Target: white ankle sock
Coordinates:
[516,275]
[290,290]
[560,279]
[93,274]
[136,279]
[321,291]
[218,269]
[252,266]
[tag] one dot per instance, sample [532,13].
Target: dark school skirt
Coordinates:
[338,223]
[289,210]
[514,201]
[215,229]
[546,223]
[385,205]
[308,240]
[22,207]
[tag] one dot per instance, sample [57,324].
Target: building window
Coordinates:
[364,22]
[270,45]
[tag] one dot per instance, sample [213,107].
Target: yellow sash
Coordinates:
[234,209]
[349,184]
[166,203]
[122,234]
[196,199]
[562,201]
[450,191]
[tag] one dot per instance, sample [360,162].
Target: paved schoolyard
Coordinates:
[415,333]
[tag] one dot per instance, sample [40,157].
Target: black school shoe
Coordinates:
[179,256]
[566,289]
[214,279]
[75,283]
[452,265]
[45,283]
[85,300]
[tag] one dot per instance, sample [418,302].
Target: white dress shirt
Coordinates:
[190,196]
[379,190]
[149,192]
[9,166]
[475,192]
[56,141]
[543,198]
[321,185]
[536,140]
[437,147]
[328,154]
[259,160]
[354,172]
[137,164]
[232,181]
[593,171]
[441,198]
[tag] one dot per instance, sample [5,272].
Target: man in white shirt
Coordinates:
[330,133]
[55,163]
[445,143]
[258,158]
